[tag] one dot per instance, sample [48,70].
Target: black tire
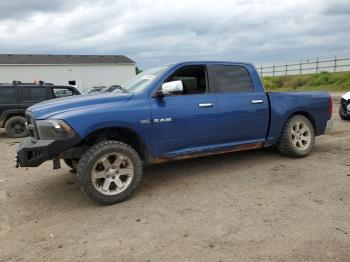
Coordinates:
[91,157]
[342,113]
[16,127]
[72,164]
[286,145]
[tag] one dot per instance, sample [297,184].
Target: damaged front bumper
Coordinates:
[33,152]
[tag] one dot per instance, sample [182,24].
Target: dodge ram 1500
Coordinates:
[171,112]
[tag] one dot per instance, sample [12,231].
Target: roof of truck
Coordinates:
[210,62]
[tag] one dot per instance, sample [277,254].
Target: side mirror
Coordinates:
[171,88]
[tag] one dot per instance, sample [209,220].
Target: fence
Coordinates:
[306,67]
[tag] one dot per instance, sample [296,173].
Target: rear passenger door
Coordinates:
[33,94]
[243,113]
[8,99]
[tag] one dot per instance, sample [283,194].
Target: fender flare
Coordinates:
[5,115]
[139,144]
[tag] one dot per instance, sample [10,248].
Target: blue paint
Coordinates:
[233,120]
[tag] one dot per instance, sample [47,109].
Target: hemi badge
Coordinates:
[145,121]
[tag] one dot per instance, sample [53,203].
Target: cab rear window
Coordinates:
[233,79]
[61,92]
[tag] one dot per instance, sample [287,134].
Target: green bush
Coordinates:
[339,81]
[319,79]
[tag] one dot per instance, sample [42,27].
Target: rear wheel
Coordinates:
[16,127]
[109,172]
[298,137]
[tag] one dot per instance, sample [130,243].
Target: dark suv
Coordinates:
[16,97]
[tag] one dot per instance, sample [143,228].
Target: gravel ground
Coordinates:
[245,206]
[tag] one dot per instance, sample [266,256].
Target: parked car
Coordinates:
[16,97]
[344,107]
[167,113]
[104,89]
[96,89]
[113,88]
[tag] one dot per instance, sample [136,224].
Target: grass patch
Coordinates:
[333,82]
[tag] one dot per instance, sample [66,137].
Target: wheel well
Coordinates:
[12,115]
[125,135]
[307,115]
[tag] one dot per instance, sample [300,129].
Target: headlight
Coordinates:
[54,129]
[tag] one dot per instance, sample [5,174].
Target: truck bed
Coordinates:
[316,106]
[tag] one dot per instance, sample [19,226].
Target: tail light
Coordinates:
[330,107]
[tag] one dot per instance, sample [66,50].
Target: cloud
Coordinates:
[20,9]
[157,32]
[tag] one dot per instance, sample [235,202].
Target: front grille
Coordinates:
[31,127]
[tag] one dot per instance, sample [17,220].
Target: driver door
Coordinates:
[186,122]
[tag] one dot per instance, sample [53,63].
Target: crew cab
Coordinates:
[171,112]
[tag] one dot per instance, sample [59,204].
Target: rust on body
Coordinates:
[201,154]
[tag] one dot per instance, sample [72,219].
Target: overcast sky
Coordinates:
[158,31]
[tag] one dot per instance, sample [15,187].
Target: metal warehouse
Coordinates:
[85,71]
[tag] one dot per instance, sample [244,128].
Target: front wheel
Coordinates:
[16,127]
[298,137]
[109,172]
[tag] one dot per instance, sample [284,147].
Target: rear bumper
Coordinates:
[329,126]
[32,152]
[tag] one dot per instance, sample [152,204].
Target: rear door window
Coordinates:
[33,94]
[8,95]
[61,92]
[232,79]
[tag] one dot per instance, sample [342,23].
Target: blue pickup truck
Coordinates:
[171,112]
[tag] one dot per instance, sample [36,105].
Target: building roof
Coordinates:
[63,59]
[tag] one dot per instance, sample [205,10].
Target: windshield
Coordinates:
[141,81]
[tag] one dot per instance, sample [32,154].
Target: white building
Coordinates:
[85,71]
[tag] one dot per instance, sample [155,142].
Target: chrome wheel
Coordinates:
[301,135]
[112,174]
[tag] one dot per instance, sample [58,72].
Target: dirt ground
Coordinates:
[245,206]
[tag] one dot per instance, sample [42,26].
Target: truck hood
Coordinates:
[52,107]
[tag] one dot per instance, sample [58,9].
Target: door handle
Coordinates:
[257,101]
[205,105]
